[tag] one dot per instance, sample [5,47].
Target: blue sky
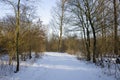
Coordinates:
[43,10]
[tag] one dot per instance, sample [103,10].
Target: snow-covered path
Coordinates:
[60,66]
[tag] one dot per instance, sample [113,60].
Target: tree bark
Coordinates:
[93,30]
[61,25]
[115,29]
[17,34]
[88,46]
[30,56]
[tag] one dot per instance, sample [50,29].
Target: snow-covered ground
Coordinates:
[58,66]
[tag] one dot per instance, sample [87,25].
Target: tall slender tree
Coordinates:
[78,10]
[115,28]
[17,34]
[61,24]
[58,20]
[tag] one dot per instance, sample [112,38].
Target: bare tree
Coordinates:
[17,34]
[61,24]
[17,15]
[59,18]
[115,28]
[77,8]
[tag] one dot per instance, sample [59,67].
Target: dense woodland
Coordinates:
[89,29]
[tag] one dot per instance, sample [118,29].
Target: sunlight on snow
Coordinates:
[58,54]
[64,67]
[52,66]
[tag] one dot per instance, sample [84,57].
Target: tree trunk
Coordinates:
[94,43]
[93,30]
[115,29]
[17,34]
[60,38]
[88,46]
[87,43]
[30,56]
[61,26]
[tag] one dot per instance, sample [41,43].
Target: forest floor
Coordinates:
[58,66]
